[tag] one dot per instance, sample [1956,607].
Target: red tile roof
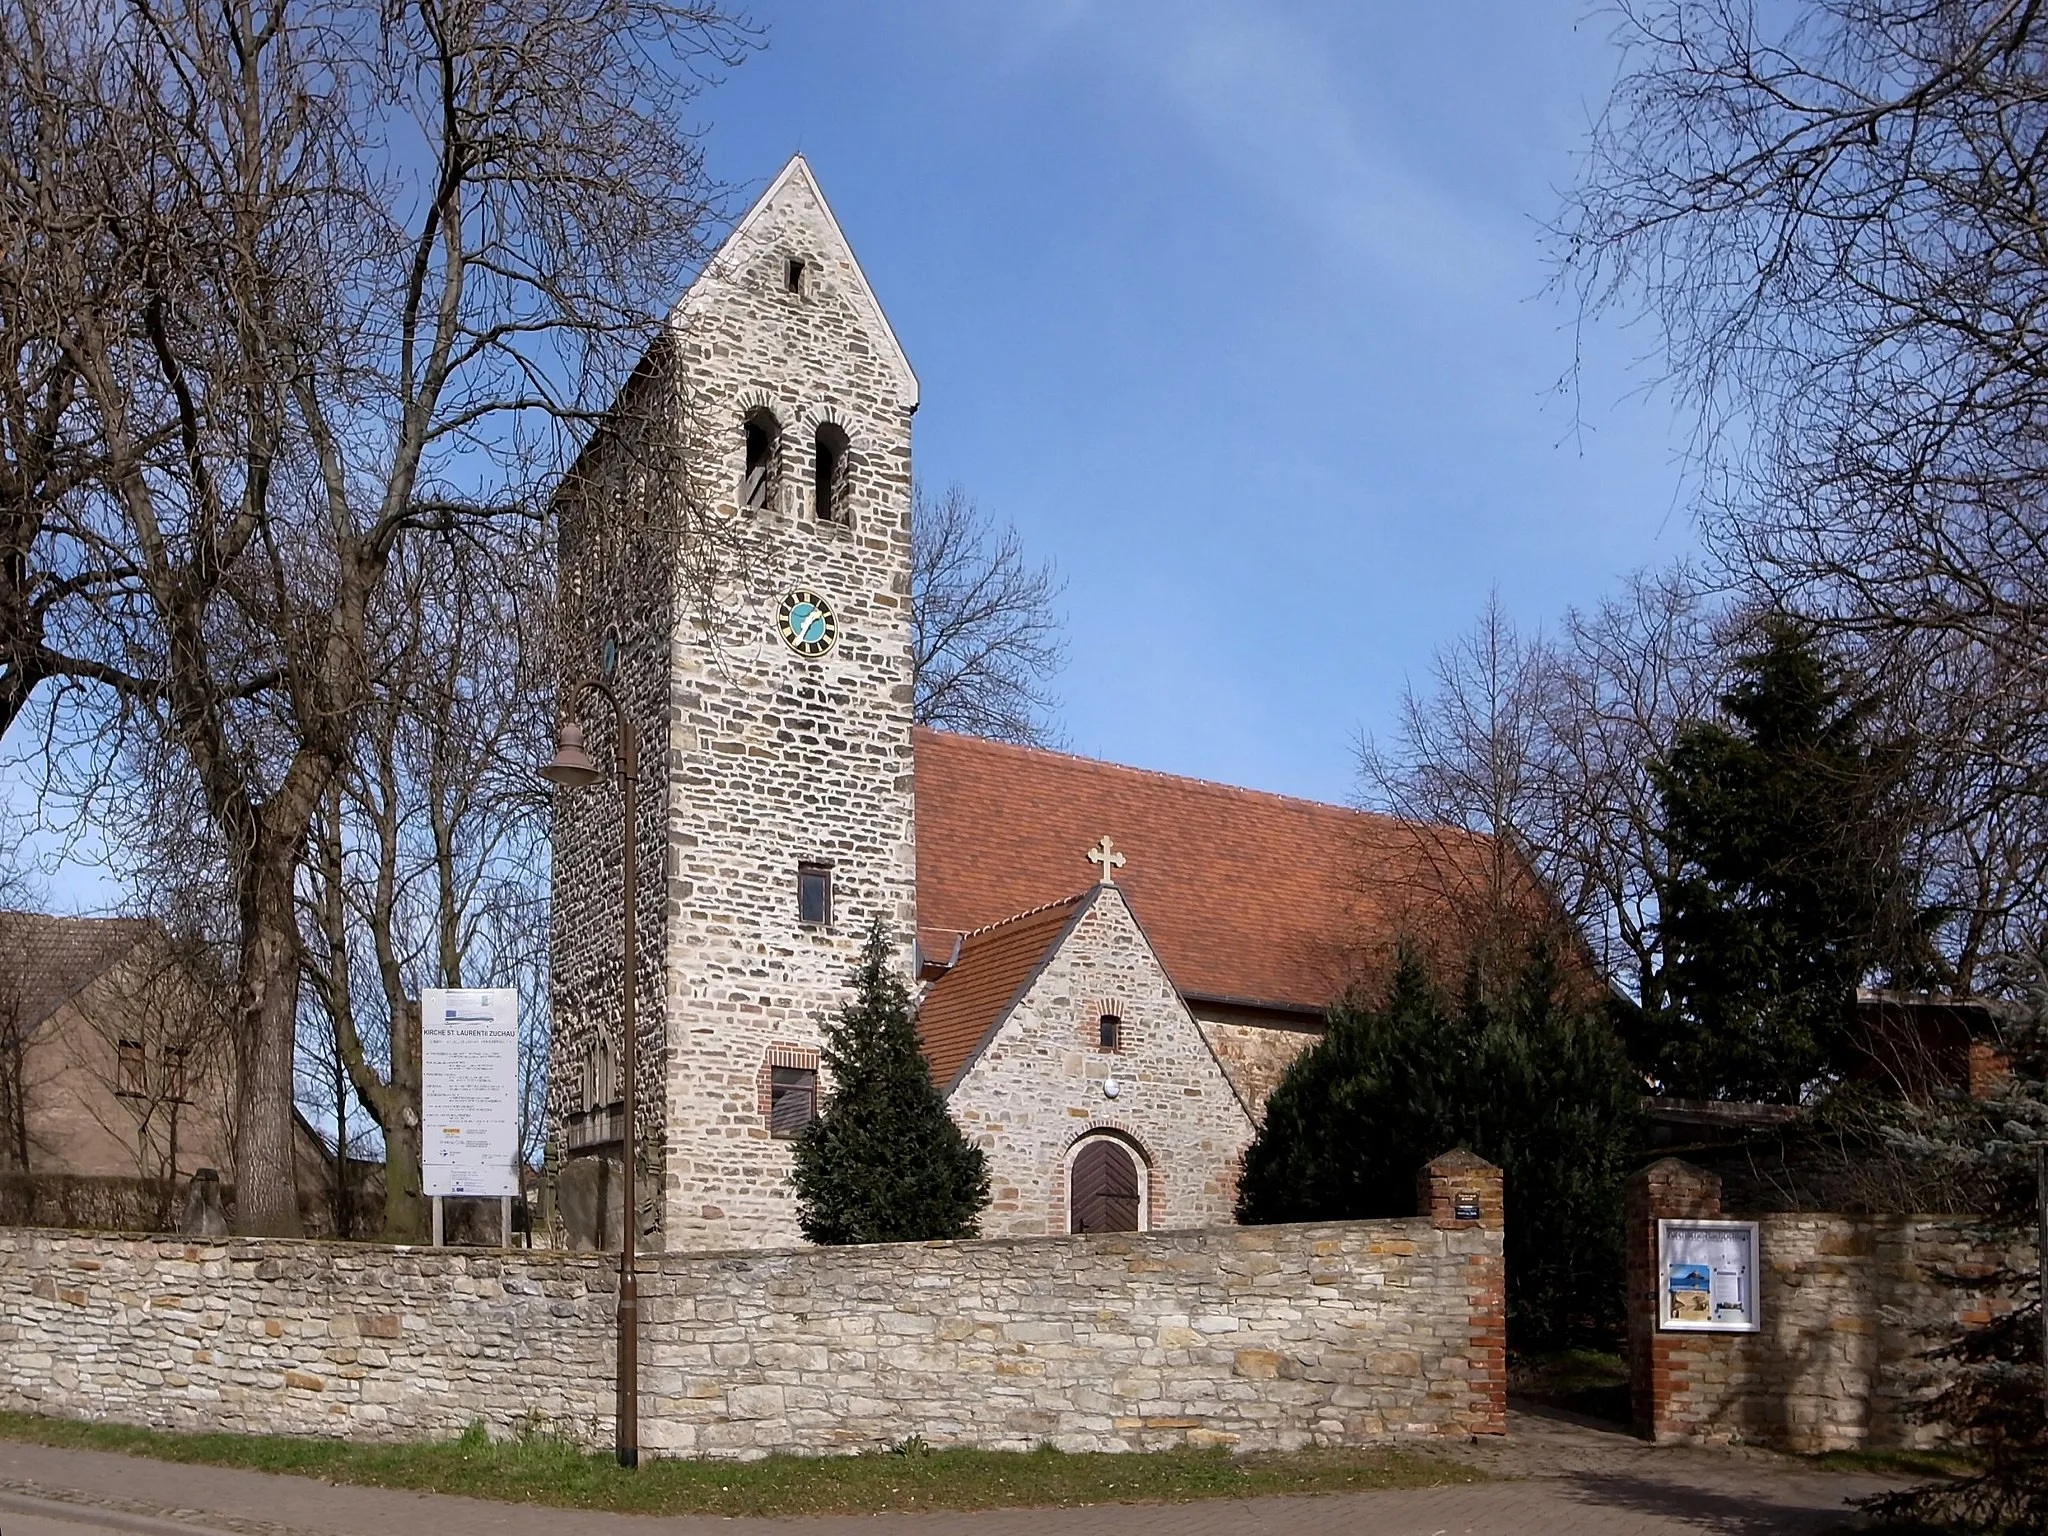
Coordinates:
[1247,897]
[994,966]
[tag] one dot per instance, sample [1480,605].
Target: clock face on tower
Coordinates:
[809,627]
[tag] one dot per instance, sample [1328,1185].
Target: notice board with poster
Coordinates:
[1707,1276]
[469,1091]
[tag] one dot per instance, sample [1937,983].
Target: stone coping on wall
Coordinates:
[657,1261]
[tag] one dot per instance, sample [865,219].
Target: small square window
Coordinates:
[128,1075]
[793,275]
[792,1099]
[814,893]
[1111,1037]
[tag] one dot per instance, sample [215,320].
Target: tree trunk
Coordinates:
[405,1210]
[266,1193]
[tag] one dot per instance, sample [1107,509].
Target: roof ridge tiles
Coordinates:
[1104,766]
[1018,917]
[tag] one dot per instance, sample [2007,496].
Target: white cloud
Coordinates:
[1265,94]
[1268,98]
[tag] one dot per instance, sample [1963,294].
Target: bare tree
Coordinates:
[1833,213]
[16,1075]
[67,278]
[1631,675]
[377,258]
[985,637]
[1544,748]
[430,858]
[16,1087]
[1469,779]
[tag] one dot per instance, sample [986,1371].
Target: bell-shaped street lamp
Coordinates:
[571,766]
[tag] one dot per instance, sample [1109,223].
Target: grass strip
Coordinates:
[1898,1463]
[544,1469]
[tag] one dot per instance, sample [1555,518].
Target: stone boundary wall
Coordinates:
[1255,1337]
[1849,1307]
[304,1337]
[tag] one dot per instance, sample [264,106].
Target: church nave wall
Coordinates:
[1255,1057]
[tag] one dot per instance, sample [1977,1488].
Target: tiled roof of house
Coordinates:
[971,999]
[1247,897]
[46,961]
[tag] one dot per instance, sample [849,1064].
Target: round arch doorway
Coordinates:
[1105,1186]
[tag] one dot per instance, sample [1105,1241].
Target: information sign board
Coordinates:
[469,1091]
[1707,1277]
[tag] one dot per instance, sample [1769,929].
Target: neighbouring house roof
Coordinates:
[1248,898]
[996,965]
[45,961]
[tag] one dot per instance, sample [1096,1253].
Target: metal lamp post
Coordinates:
[572,768]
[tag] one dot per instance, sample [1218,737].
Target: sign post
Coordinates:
[469,1096]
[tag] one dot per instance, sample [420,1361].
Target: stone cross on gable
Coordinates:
[1105,854]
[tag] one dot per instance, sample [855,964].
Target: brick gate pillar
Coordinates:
[1460,1192]
[1667,1189]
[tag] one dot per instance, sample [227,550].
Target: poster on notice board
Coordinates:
[1707,1277]
[469,1091]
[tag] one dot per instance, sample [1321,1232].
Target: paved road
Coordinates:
[1556,1479]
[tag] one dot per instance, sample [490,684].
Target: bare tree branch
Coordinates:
[986,640]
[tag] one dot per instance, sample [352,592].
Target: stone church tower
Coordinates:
[776,737]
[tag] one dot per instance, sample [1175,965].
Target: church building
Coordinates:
[1113,966]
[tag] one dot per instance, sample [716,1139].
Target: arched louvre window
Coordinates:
[828,487]
[600,1080]
[764,441]
[1103,1188]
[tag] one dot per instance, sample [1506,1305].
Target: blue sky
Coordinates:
[1238,313]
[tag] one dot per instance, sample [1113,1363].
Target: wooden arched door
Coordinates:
[1102,1190]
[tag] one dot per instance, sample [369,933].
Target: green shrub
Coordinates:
[1535,1082]
[884,1162]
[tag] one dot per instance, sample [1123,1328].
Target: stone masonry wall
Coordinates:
[1252,1338]
[1254,1057]
[305,1338]
[1849,1307]
[776,759]
[1038,1087]
[617,623]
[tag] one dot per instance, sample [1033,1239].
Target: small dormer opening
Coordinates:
[829,474]
[764,440]
[793,274]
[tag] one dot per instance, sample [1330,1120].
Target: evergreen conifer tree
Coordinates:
[1351,1111]
[1537,1083]
[884,1162]
[1790,882]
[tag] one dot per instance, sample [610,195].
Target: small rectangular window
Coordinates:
[793,275]
[175,1080]
[814,893]
[792,1099]
[1112,1036]
[128,1078]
